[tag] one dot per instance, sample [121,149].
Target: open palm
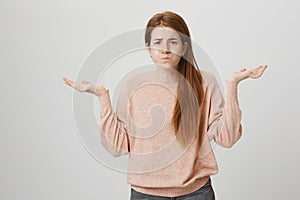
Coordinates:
[244,73]
[84,86]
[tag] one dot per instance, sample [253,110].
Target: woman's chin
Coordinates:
[166,65]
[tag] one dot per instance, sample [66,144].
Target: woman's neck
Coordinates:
[166,73]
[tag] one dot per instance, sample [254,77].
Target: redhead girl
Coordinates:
[189,120]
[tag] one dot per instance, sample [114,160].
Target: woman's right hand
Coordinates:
[85,86]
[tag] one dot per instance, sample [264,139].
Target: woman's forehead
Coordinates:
[164,32]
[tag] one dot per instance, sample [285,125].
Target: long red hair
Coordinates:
[186,119]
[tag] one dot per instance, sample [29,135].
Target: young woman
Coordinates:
[193,117]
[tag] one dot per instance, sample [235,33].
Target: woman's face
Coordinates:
[166,47]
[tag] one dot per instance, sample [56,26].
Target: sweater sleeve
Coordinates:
[224,124]
[114,137]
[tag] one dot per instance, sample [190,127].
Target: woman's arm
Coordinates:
[224,123]
[112,125]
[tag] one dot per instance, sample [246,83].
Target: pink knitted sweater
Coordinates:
[141,127]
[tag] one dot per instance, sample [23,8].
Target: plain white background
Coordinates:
[44,41]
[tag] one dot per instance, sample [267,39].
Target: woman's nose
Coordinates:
[165,47]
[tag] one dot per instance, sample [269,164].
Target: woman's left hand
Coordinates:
[244,74]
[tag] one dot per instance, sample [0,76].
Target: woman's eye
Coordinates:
[174,42]
[156,42]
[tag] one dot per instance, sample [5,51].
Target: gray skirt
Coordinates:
[206,192]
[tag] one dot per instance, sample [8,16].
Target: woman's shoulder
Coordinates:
[135,78]
[208,78]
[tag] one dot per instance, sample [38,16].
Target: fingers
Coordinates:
[261,67]
[252,73]
[84,86]
[265,67]
[69,82]
[84,81]
[256,68]
[258,71]
[66,80]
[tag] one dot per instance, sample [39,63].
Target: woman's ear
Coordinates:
[147,47]
[185,46]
